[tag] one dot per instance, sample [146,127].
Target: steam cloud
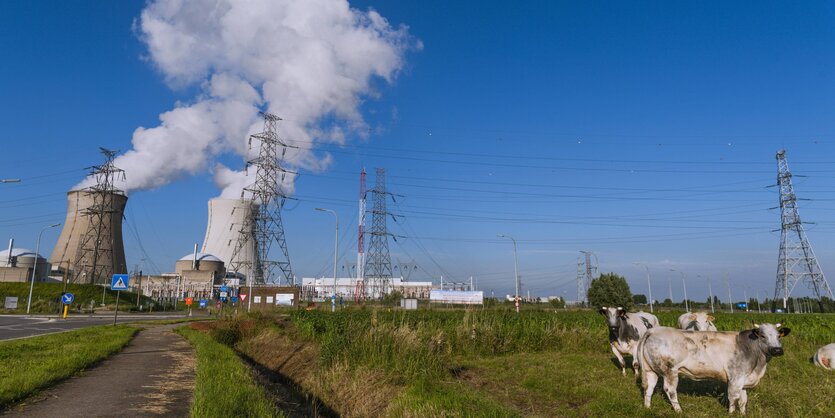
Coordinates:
[310,62]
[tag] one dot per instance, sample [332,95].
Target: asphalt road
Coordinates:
[21,326]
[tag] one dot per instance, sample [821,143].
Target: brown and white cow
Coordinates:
[825,357]
[625,329]
[696,321]
[737,358]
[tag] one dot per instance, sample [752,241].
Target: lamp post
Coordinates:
[335,253]
[515,268]
[649,286]
[35,265]
[684,285]
[9,180]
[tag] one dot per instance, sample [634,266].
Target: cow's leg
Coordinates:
[670,385]
[619,356]
[737,395]
[648,381]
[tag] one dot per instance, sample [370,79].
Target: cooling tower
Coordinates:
[226,218]
[91,214]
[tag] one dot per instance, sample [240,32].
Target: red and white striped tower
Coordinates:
[359,293]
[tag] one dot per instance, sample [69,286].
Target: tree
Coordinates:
[557,303]
[639,299]
[610,289]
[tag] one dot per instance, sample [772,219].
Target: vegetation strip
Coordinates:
[35,363]
[224,386]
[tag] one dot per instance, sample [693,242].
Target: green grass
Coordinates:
[484,362]
[34,363]
[45,297]
[224,386]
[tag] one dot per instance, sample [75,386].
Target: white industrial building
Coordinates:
[16,266]
[348,287]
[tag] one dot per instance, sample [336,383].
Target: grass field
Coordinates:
[498,363]
[224,387]
[34,363]
[45,297]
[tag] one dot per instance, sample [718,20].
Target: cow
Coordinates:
[696,321]
[625,329]
[736,358]
[825,357]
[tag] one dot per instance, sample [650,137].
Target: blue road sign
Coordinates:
[203,303]
[223,288]
[223,298]
[234,299]
[67,298]
[119,282]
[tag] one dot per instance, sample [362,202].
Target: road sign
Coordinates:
[11,302]
[234,299]
[218,304]
[189,301]
[67,298]
[223,288]
[223,298]
[119,282]
[203,303]
[223,293]
[243,296]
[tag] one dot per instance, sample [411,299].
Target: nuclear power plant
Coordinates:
[226,218]
[90,247]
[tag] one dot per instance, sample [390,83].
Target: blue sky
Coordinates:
[643,132]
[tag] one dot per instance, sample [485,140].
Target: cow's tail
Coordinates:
[639,351]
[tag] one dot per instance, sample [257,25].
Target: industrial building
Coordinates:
[195,275]
[349,287]
[16,266]
[90,247]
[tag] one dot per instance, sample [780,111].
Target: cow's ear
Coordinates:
[755,333]
[622,312]
[602,311]
[711,318]
[785,331]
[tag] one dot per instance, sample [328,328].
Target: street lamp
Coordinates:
[683,284]
[335,252]
[515,267]
[9,180]
[35,265]
[649,286]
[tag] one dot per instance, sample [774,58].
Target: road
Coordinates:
[21,326]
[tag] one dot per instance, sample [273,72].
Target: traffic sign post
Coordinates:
[203,303]
[118,282]
[67,299]
[189,301]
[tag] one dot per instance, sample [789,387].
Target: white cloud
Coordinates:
[307,61]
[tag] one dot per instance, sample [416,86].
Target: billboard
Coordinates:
[464,297]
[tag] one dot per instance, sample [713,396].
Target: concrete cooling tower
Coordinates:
[76,250]
[226,217]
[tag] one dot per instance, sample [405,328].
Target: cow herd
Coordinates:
[697,351]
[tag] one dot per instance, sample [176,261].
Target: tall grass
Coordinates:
[224,386]
[34,363]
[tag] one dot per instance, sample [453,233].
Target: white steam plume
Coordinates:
[310,62]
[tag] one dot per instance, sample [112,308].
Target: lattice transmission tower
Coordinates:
[94,259]
[263,226]
[797,262]
[586,271]
[378,266]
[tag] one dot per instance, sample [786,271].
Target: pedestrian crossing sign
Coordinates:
[119,282]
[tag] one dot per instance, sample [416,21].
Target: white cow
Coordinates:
[825,357]
[625,329]
[737,358]
[696,321]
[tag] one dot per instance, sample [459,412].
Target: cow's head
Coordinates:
[699,321]
[613,317]
[768,338]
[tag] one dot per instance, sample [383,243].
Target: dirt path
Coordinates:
[152,377]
